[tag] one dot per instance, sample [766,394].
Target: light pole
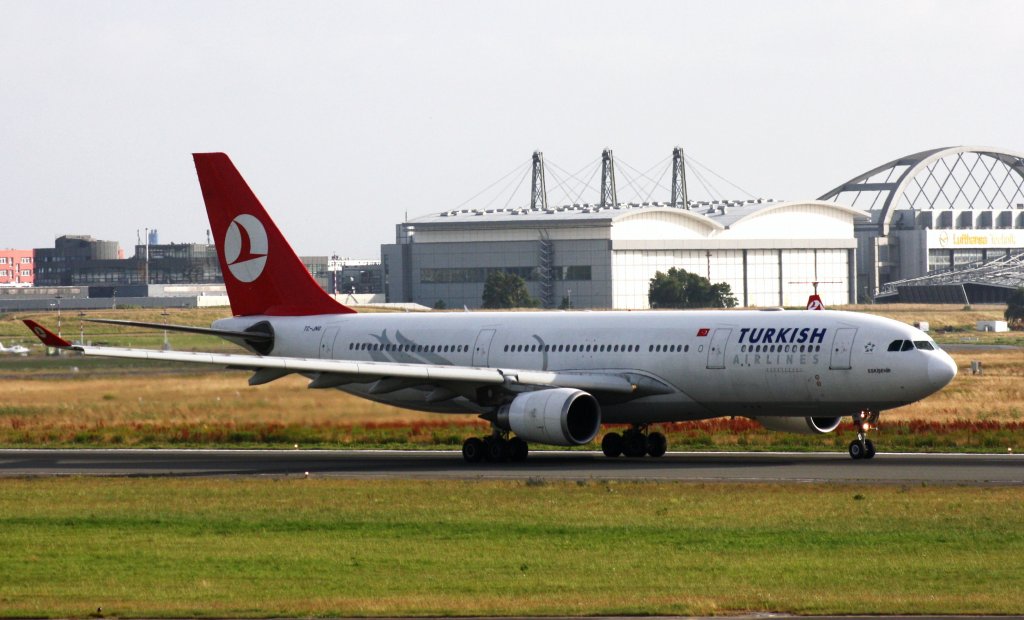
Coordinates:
[58,298]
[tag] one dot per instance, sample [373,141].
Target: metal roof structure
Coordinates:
[1005,273]
[717,214]
[959,177]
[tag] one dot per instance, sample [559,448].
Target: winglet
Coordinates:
[49,338]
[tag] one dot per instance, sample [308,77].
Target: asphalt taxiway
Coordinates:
[969,469]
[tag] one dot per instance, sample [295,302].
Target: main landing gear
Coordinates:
[497,448]
[635,442]
[862,447]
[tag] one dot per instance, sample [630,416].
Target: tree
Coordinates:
[506,290]
[440,305]
[1014,314]
[681,289]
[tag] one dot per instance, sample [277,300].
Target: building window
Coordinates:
[464,275]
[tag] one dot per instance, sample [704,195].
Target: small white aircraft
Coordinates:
[547,377]
[14,349]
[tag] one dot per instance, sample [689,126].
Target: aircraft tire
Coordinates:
[657,445]
[611,445]
[856,450]
[869,449]
[518,450]
[634,444]
[495,450]
[473,450]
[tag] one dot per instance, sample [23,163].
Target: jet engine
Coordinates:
[559,416]
[801,426]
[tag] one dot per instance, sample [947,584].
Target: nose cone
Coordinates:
[941,370]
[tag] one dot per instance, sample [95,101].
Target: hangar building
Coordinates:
[941,225]
[603,255]
[946,225]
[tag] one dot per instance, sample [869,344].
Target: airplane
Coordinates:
[551,377]
[14,349]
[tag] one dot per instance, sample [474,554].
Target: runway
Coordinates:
[834,467]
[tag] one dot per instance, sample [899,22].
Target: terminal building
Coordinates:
[901,231]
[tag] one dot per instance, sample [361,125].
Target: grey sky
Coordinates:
[343,116]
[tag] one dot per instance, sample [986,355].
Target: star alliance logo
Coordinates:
[245,248]
[869,347]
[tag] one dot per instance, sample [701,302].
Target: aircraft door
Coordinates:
[716,353]
[327,343]
[842,346]
[482,348]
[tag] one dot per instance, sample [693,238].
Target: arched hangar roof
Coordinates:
[958,177]
[712,216]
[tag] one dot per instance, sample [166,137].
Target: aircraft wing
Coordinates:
[386,376]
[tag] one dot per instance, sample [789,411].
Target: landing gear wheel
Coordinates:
[518,450]
[862,447]
[611,445]
[634,443]
[657,444]
[473,450]
[495,449]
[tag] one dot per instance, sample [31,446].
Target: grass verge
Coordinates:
[286,547]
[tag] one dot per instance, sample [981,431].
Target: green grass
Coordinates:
[292,547]
[18,430]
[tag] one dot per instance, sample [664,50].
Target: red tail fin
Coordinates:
[261,271]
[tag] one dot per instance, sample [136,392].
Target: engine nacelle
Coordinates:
[559,416]
[802,426]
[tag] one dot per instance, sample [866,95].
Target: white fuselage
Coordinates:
[689,365]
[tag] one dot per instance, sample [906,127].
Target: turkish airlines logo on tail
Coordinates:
[245,248]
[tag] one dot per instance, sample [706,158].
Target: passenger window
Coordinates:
[907,346]
[924,345]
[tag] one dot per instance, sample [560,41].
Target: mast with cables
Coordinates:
[539,193]
[608,198]
[679,179]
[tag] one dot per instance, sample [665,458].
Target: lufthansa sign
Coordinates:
[952,239]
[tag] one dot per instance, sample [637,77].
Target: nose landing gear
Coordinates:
[862,447]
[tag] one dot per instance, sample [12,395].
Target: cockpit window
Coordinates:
[895,345]
[924,345]
[907,346]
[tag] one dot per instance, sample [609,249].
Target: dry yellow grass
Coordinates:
[94,399]
[996,395]
[86,399]
[209,397]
